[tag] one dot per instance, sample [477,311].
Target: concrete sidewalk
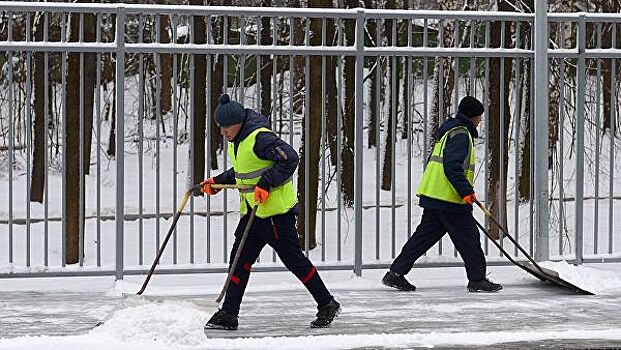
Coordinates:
[277,306]
[535,308]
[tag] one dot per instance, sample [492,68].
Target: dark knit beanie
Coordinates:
[229,112]
[471,107]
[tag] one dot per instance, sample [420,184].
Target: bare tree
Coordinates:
[314,140]
[392,102]
[199,109]
[498,195]
[165,63]
[37,184]
[347,152]
[217,85]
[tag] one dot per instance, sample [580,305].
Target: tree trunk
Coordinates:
[90,75]
[332,95]
[372,123]
[165,64]
[200,100]
[266,65]
[216,88]
[443,76]
[112,139]
[314,142]
[349,117]
[71,192]
[524,177]
[498,195]
[392,104]
[37,184]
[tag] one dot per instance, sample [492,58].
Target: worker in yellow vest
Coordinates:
[260,158]
[446,194]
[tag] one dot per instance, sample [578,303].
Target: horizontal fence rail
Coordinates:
[106,120]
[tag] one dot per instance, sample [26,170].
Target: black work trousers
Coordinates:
[280,233]
[462,230]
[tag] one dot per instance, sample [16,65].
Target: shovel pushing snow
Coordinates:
[139,298]
[542,273]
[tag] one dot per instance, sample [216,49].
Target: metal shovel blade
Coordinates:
[551,276]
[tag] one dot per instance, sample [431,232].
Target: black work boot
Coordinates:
[326,314]
[483,285]
[222,320]
[392,279]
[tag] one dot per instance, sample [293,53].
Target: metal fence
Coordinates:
[140,160]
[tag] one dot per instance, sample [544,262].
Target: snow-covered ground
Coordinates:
[57,313]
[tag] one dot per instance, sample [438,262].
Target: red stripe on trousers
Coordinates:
[247,266]
[310,275]
[235,279]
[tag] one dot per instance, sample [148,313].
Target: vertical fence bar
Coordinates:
[307,141]
[393,133]
[358,142]
[471,74]
[173,22]
[207,132]
[486,119]
[81,152]
[613,120]
[141,115]
[580,150]
[64,145]
[158,119]
[501,194]
[274,84]
[410,107]
[516,144]
[541,131]
[425,98]
[455,73]
[561,189]
[46,117]
[193,108]
[378,157]
[28,138]
[98,128]
[10,134]
[339,140]
[598,98]
[225,81]
[323,143]
[120,138]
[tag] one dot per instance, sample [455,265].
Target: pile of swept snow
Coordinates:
[593,278]
[167,323]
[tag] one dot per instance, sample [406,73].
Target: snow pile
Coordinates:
[596,279]
[166,323]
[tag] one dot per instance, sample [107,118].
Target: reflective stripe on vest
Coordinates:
[434,183]
[248,171]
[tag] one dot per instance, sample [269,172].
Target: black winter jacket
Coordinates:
[455,153]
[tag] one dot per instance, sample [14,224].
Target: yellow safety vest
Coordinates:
[248,170]
[435,184]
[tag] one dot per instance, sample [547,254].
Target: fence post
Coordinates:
[581,77]
[541,132]
[358,147]
[120,137]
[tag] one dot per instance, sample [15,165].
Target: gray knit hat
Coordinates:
[229,112]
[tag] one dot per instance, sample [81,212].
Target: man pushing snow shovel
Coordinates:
[263,160]
[446,194]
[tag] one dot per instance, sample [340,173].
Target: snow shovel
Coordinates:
[176,218]
[139,298]
[542,273]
